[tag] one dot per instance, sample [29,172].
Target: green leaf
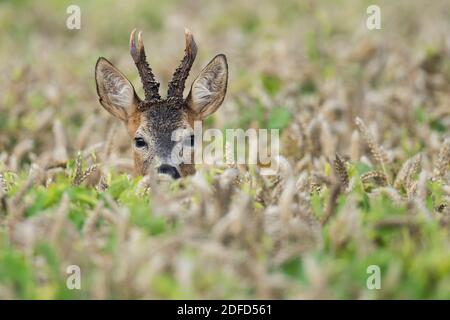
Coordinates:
[437,125]
[16,273]
[271,83]
[279,118]
[308,87]
[119,185]
[362,168]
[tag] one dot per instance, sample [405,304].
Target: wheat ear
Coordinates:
[443,161]
[377,151]
[341,171]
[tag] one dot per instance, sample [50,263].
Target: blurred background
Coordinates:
[289,54]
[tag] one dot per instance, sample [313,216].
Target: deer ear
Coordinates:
[208,90]
[116,93]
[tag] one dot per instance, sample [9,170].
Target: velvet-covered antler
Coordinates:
[151,86]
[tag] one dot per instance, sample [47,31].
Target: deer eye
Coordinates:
[140,142]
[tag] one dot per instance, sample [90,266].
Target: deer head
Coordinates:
[151,122]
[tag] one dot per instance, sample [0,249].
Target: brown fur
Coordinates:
[153,120]
[133,123]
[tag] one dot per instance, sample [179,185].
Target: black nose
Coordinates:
[171,171]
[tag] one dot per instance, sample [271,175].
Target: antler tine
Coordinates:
[133,50]
[151,86]
[176,85]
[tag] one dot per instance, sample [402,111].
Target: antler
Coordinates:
[176,85]
[151,86]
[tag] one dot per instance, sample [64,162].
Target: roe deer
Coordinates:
[150,122]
